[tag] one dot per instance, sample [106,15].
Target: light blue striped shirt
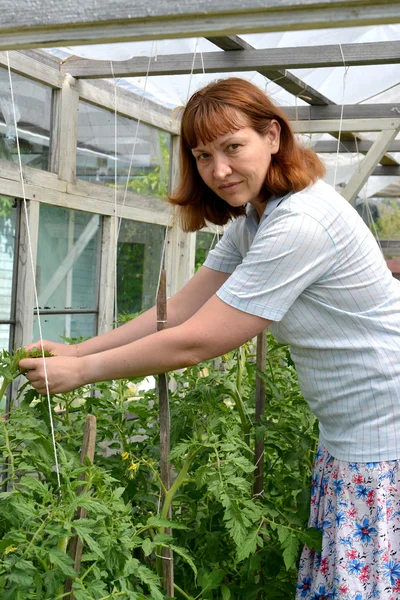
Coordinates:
[313,267]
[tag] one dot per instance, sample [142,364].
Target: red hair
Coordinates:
[215,110]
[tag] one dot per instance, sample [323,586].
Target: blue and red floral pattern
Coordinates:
[357,506]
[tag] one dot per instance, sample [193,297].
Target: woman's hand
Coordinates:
[64,373]
[55,348]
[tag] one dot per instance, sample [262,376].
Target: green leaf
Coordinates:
[291,551]
[250,544]
[226,594]
[63,561]
[148,546]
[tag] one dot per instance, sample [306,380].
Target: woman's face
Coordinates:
[234,166]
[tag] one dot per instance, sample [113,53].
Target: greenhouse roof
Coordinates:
[325,53]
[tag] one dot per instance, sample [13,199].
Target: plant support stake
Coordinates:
[165,431]
[87,450]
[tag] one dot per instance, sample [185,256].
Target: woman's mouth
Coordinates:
[229,187]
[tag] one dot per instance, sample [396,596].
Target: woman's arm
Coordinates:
[214,329]
[180,307]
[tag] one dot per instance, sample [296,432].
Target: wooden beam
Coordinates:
[386,171]
[101,93]
[281,77]
[373,53]
[348,146]
[368,164]
[107,275]
[40,24]
[99,200]
[347,125]
[350,111]
[25,301]
[64,131]
[33,68]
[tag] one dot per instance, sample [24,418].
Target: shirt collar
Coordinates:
[252,219]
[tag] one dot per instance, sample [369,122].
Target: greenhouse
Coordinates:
[194,483]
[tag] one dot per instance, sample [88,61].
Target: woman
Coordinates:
[298,259]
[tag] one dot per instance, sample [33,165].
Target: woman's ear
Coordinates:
[274,136]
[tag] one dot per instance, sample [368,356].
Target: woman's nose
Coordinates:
[221,168]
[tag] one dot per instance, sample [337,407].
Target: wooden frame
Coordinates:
[42,24]
[373,53]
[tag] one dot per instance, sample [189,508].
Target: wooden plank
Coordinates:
[40,23]
[347,125]
[130,199]
[101,93]
[32,176]
[350,111]
[281,77]
[368,164]
[369,53]
[107,275]
[25,300]
[33,68]
[65,130]
[348,146]
[386,171]
[85,203]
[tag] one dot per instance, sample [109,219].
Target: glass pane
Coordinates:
[68,259]
[148,167]
[205,241]
[140,248]
[7,240]
[33,109]
[70,326]
[4,337]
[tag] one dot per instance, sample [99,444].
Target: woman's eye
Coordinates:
[233,147]
[202,156]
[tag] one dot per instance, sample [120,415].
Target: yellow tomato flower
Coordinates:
[125,455]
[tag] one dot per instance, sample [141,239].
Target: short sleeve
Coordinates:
[288,255]
[226,255]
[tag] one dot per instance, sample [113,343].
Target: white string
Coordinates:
[33,272]
[192,69]
[346,70]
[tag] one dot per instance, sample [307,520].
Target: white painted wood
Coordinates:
[107,275]
[372,53]
[25,301]
[42,24]
[353,125]
[101,93]
[368,164]
[32,68]
[68,262]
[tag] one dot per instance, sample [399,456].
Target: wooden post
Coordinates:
[165,430]
[260,411]
[75,545]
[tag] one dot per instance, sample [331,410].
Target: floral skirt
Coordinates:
[357,505]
